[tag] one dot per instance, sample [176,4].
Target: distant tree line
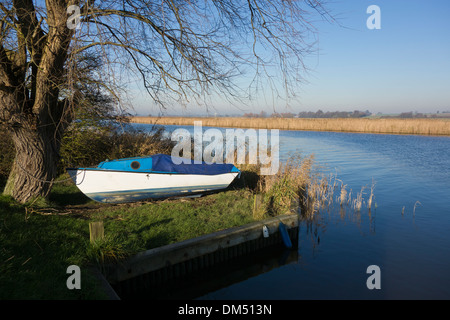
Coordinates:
[310,114]
[411,115]
[346,114]
[334,114]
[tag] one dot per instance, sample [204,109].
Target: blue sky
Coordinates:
[404,66]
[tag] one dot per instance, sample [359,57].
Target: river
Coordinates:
[406,234]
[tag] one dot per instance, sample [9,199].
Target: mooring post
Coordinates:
[96,230]
[257,203]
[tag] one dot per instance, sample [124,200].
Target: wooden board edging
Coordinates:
[172,254]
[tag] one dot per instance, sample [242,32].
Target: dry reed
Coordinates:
[320,193]
[358,202]
[420,126]
[343,195]
[371,196]
[299,183]
[288,187]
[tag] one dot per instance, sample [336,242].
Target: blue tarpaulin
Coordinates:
[164,163]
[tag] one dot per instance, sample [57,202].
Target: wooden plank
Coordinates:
[162,257]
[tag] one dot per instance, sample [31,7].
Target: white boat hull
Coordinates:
[121,186]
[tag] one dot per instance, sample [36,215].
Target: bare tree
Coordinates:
[180,50]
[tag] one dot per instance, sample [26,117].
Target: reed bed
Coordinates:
[329,196]
[301,184]
[420,126]
[320,196]
[286,190]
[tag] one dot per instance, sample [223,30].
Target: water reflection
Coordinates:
[330,202]
[197,284]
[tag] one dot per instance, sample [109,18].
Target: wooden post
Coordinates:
[257,202]
[257,211]
[96,230]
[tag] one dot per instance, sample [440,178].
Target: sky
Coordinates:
[403,66]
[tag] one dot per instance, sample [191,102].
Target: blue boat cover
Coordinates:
[164,163]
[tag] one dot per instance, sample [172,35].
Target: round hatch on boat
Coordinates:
[135,165]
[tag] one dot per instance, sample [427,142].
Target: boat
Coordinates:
[151,177]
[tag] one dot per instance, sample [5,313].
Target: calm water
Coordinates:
[407,234]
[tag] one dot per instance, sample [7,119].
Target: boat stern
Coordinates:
[237,171]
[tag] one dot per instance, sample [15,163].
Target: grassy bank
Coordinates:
[386,126]
[37,244]
[35,251]
[39,241]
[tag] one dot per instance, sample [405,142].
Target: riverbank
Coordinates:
[38,244]
[39,241]
[360,125]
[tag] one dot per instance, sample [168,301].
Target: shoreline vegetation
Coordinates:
[416,126]
[41,239]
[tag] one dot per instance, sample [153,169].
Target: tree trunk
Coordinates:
[35,164]
[32,76]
